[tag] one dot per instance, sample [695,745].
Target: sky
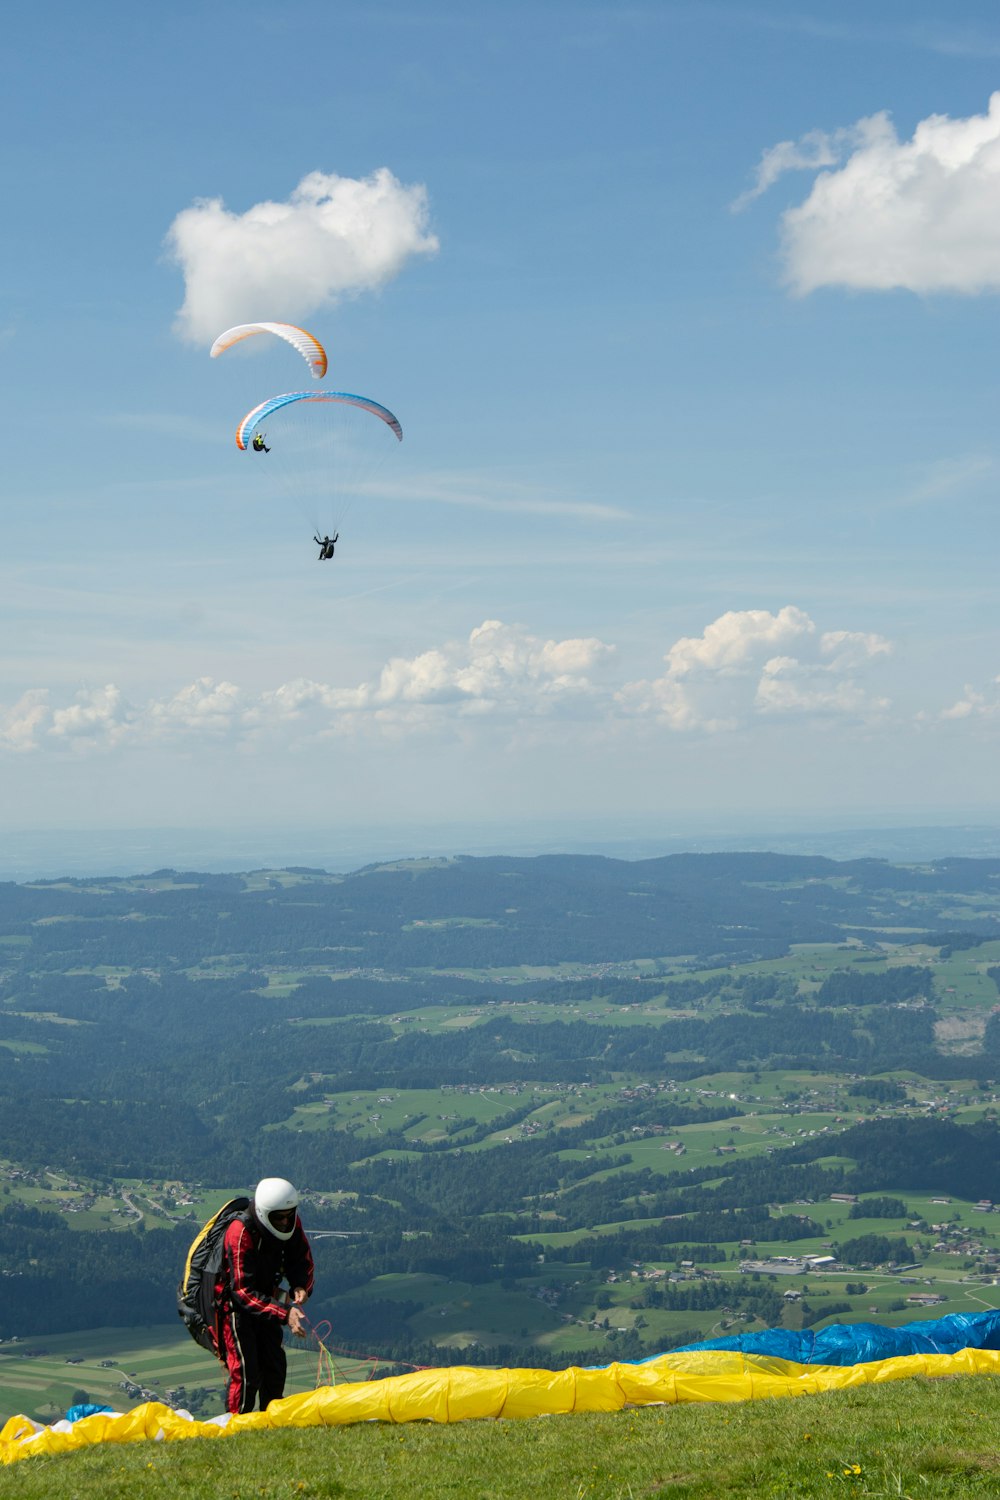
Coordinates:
[689,314]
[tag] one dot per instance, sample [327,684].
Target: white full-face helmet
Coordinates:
[274,1203]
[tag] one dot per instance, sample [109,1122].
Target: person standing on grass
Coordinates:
[264,1248]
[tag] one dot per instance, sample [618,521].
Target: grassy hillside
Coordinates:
[913,1438]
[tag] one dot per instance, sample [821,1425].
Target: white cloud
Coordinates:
[500,670]
[334,236]
[847,649]
[21,724]
[750,664]
[735,637]
[921,214]
[747,666]
[203,707]
[98,715]
[816,149]
[787,686]
[975,704]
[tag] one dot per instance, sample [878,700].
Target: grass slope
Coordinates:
[913,1438]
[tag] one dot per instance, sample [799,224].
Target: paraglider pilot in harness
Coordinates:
[263,1247]
[326,545]
[258,445]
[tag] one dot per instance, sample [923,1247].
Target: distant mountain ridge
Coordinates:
[468,912]
[32,854]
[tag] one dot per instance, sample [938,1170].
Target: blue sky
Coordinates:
[688,312]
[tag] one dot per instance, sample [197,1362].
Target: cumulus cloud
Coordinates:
[24,721]
[747,667]
[921,214]
[750,664]
[99,714]
[334,236]
[96,716]
[976,703]
[735,637]
[203,707]
[500,670]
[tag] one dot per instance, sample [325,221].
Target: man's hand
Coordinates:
[297,1322]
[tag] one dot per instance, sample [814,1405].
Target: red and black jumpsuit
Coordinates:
[251,1320]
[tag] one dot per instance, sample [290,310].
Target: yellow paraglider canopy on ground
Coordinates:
[462,1393]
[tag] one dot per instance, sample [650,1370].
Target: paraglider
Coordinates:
[305,343]
[276,403]
[328,445]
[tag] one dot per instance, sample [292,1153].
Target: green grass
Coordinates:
[913,1438]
